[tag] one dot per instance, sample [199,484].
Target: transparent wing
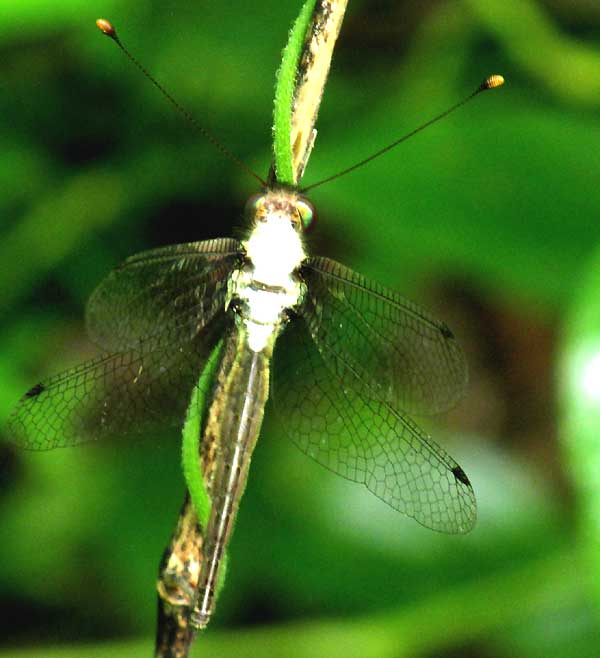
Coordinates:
[407,358]
[171,292]
[342,423]
[135,392]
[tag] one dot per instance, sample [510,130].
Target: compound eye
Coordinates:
[307,214]
[253,204]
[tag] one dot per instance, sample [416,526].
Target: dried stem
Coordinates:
[177,581]
[311,77]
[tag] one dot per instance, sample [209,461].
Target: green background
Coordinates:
[490,219]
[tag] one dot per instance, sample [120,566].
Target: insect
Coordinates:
[345,361]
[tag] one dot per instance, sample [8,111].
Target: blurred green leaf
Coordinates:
[53,228]
[450,619]
[567,67]
[580,404]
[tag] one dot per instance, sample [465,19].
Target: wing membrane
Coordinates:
[409,359]
[342,423]
[171,292]
[129,393]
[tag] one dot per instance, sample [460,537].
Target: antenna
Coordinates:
[107,28]
[491,82]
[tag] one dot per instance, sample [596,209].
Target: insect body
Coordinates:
[345,361]
[350,360]
[270,284]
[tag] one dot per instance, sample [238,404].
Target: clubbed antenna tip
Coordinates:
[492,82]
[106,27]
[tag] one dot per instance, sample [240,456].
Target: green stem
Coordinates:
[284,96]
[190,452]
[190,449]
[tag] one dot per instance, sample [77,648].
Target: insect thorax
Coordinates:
[268,285]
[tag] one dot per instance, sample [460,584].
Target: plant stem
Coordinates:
[178,577]
[300,83]
[306,73]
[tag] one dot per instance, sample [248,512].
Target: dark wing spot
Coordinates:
[446,331]
[460,475]
[35,391]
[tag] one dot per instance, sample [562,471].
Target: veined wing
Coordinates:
[134,392]
[169,294]
[343,423]
[408,359]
